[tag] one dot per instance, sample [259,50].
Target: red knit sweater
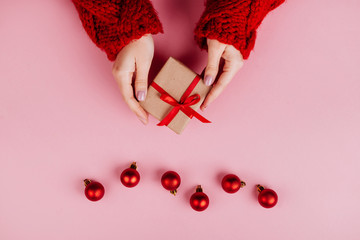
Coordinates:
[233,22]
[112,24]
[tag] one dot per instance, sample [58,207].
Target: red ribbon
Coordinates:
[184,105]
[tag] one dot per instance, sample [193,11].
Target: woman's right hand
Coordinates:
[134,58]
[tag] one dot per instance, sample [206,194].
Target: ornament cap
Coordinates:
[133,165]
[199,188]
[259,188]
[242,184]
[173,192]
[87,182]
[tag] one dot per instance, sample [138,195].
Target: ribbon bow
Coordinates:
[183,105]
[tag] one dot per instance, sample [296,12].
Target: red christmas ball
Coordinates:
[199,201]
[267,197]
[232,183]
[94,191]
[130,177]
[171,181]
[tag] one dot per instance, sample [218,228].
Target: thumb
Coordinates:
[215,51]
[141,80]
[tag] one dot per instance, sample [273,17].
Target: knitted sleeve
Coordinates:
[112,24]
[233,22]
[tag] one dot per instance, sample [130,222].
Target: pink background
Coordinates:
[289,120]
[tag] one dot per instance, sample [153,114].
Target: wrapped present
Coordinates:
[175,95]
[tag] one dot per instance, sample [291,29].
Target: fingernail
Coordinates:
[208,80]
[140,95]
[143,120]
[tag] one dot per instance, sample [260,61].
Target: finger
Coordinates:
[229,71]
[124,80]
[141,81]
[138,110]
[215,51]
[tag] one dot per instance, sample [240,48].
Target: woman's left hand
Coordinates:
[233,62]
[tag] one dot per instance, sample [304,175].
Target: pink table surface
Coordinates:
[289,120]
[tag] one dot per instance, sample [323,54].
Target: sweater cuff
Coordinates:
[111,25]
[233,22]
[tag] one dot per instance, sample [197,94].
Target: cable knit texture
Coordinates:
[233,22]
[112,24]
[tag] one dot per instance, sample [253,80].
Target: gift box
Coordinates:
[175,95]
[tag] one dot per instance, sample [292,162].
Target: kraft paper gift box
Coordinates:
[173,80]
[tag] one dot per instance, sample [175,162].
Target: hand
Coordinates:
[233,62]
[134,58]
